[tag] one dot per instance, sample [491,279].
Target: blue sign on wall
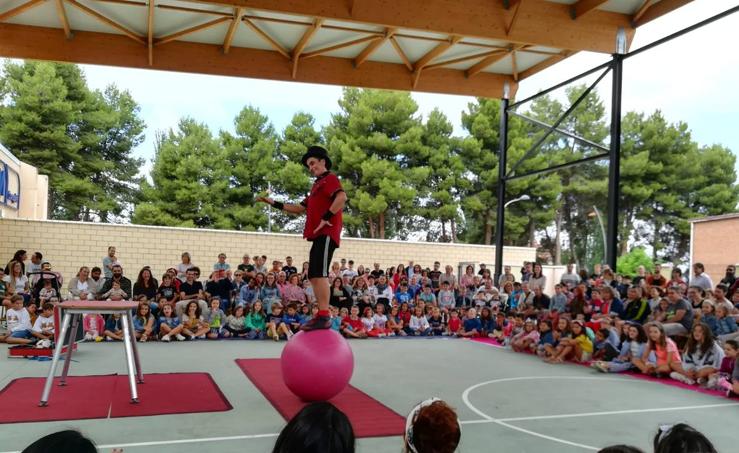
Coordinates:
[10,186]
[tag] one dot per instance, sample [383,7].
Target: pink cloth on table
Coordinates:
[93,305]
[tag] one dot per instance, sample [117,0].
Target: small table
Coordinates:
[72,311]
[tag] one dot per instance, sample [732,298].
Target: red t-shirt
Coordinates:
[355,324]
[317,203]
[455,324]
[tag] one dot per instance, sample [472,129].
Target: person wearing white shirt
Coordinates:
[19,323]
[700,278]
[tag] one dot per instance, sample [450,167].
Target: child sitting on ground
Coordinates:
[368,322]
[195,325]
[727,328]
[487,323]
[19,323]
[701,358]
[291,320]
[381,321]
[255,321]
[561,331]
[631,348]
[471,327]
[216,318]
[274,322]
[169,324]
[546,338]
[527,339]
[114,328]
[93,325]
[43,327]
[335,316]
[665,352]
[731,348]
[454,326]
[143,322]
[352,325]
[419,325]
[436,322]
[394,323]
[577,347]
[236,323]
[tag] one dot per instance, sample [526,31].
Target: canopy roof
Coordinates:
[470,47]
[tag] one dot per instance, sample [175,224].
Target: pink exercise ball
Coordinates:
[317,365]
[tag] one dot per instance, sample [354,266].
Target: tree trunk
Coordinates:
[623,246]
[488,229]
[443,231]
[656,244]
[532,233]
[557,241]
[371,224]
[453,227]
[381,222]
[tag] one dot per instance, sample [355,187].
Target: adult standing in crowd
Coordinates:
[221,264]
[288,268]
[537,279]
[323,226]
[570,279]
[507,276]
[108,261]
[700,278]
[82,286]
[116,276]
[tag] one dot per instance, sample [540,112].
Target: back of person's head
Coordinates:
[317,428]
[620,449]
[432,427]
[681,438]
[68,441]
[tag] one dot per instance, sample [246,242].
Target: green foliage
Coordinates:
[629,263]
[81,139]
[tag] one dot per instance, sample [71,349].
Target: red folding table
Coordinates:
[71,313]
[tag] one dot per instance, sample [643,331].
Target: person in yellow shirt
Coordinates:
[577,347]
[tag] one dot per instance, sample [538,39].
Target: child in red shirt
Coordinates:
[455,324]
[352,325]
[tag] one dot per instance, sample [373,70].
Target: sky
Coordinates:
[693,79]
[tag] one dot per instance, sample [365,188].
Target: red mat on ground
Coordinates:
[368,417]
[87,397]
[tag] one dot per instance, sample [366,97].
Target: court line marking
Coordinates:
[503,421]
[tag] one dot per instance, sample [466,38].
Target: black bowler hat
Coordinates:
[318,152]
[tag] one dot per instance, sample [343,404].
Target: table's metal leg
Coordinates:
[55,360]
[70,347]
[127,336]
[136,360]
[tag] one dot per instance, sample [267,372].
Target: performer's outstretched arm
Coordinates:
[287,207]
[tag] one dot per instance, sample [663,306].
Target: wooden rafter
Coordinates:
[642,9]
[150,32]
[108,21]
[514,66]
[62,13]
[659,9]
[477,56]
[511,23]
[401,53]
[188,31]
[545,64]
[232,29]
[372,47]
[265,36]
[583,7]
[19,9]
[298,49]
[342,45]
[489,61]
[435,52]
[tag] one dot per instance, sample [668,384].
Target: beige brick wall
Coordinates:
[715,245]
[69,245]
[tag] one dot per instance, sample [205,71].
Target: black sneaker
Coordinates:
[319,322]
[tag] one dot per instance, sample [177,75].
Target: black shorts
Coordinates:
[321,253]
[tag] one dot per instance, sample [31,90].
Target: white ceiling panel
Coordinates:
[386,53]
[415,48]
[212,35]
[287,35]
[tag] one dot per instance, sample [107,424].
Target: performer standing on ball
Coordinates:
[323,225]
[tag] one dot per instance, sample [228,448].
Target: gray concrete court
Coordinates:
[507,402]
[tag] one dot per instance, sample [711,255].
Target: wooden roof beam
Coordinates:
[300,46]
[62,13]
[191,30]
[544,64]
[42,43]
[22,8]
[545,23]
[150,31]
[659,9]
[267,38]
[430,55]
[489,61]
[107,21]
[478,56]
[582,7]
[401,53]
[372,47]
[228,38]
[342,45]
[642,9]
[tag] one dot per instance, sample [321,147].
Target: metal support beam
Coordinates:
[584,160]
[575,137]
[502,158]
[614,170]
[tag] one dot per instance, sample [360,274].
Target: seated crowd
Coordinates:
[644,323]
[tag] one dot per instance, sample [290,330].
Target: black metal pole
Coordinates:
[500,218]
[614,165]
